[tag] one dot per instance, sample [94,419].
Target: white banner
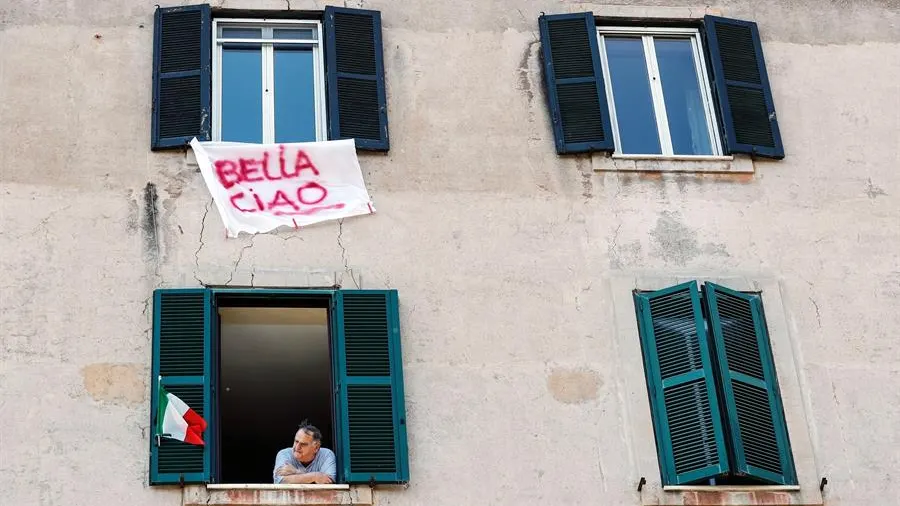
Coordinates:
[259,187]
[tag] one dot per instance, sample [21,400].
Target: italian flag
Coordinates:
[176,420]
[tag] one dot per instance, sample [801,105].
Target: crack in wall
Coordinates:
[200,246]
[613,249]
[580,293]
[238,262]
[818,314]
[344,258]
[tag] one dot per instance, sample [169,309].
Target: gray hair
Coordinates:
[312,430]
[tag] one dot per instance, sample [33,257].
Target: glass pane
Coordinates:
[240,33]
[294,33]
[242,94]
[295,106]
[631,94]
[681,92]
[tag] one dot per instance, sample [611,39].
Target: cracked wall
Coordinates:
[501,250]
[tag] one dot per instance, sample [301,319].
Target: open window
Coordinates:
[255,363]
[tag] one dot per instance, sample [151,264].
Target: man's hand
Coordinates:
[287,470]
[323,478]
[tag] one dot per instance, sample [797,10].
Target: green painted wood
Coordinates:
[182,343]
[755,422]
[369,392]
[683,401]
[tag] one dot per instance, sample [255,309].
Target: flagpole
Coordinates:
[158,387]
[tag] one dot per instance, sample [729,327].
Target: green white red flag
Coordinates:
[176,420]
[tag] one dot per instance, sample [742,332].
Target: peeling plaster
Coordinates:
[873,191]
[149,225]
[673,241]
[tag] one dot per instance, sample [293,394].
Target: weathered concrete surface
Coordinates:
[199,495]
[500,249]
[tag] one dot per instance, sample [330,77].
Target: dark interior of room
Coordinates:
[275,371]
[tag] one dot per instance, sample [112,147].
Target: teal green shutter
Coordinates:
[689,436]
[369,393]
[182,341]
[759,438]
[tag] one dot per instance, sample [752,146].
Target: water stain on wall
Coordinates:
[574,386]
[121,383]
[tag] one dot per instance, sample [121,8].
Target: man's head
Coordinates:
[307,442]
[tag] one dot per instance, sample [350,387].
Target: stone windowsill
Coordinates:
[275,495]
[731,496]
[604,162]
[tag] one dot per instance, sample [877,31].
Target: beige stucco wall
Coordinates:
[506,256]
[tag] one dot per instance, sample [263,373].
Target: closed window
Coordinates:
[268,81]
[307,77]
[714,397]
[658,94]
[698,90]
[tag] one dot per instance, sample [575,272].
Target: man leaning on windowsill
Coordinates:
[306,461]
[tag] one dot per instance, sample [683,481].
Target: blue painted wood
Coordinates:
[581,122]
[741,83]
[185,103]
[368,105]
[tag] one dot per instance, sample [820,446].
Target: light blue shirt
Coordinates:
[324,462]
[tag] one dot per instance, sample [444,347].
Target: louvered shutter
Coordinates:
[182,323]
[354,69]
[746,106]
[574,80]
[751,398]
[677,361]
[369,393]
[181,76]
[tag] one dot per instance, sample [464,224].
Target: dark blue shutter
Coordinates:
[182,341]
[746,107]
[755,420]
[574,79]
[680,378]
[354,68]
[181,76]
[369,396]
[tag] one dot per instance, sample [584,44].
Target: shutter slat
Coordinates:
[690,436]
[181,345]
[354,64]
[373,443]
[181,76]
[746,106]
[755,418]
[574,83]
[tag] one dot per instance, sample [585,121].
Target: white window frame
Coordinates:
[268,70]
[662,122]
